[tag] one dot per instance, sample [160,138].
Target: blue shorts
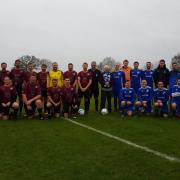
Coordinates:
[148,108]
[164,108]
[128,107]
[178,105]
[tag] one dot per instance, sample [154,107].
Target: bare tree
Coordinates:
[109,61]
[176,59]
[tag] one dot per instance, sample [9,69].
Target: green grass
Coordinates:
[57,149]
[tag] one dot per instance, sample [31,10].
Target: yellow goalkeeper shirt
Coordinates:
[55,75]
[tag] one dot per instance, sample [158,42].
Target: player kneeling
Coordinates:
[145,95]
[68,95]
[32,97]
[54,99]
[8,97]
[175,94]
[127,99]
[161,97]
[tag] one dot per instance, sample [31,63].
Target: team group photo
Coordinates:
[56,93]
[89,90]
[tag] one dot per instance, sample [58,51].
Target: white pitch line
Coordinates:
[144,148]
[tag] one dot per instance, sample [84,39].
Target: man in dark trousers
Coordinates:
[94,88]
[106,90]
[161,73]
[84,82]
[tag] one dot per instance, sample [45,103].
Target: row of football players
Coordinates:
[67,96]
[88,79]
[32,98]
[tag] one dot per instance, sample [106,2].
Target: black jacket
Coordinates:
[95,78]
[161,74]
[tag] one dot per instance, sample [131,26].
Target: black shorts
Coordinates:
[5,110]
[44,93]
[56,109]
[66,107]
[19,89]
[94,91]
[33,106]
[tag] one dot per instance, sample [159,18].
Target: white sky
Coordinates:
[85,30]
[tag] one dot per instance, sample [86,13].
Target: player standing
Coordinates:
[161,73]
[3,72]
[173,75]
[55,74]
[161,97]
[148,74]
[94,88]
[71,74]
[84,82]
[136,77]
[17,76]
[126,69]
[29,72]
[118,80]
[106,88]
[42,80]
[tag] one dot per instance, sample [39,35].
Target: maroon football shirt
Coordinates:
[42,79]
[54,93]
[3,74]
[85,77]
[67,93]
[31,90]
[17,76]
[7,94]
[28,74]
[72,75]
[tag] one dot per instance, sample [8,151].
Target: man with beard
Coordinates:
[17,76]
[71,74]
[8,97]
[161,73]
[148,74]
[3,72]
[94,88]
[55,74]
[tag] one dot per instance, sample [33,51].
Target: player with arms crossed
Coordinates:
[161,97]
[127,97]
[32,97]
[145,95]
[8,97]
[54,99]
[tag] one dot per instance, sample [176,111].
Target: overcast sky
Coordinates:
[85,30]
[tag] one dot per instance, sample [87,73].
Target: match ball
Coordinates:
[81,112]
[104,111]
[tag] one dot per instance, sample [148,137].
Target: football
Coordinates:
[104,111]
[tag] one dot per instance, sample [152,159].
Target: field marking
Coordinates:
[144,148]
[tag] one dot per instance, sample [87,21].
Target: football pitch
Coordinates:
[96,147]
